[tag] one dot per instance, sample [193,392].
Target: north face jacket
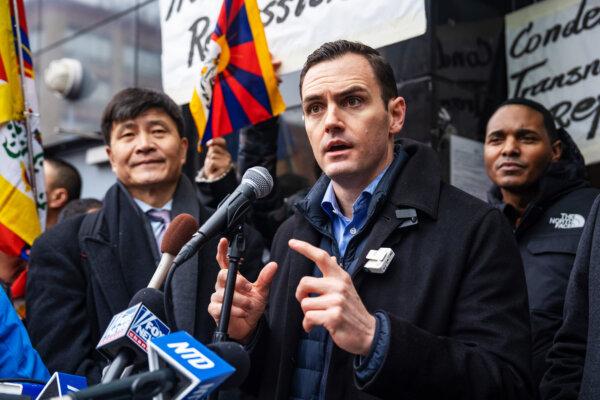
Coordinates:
[548,235]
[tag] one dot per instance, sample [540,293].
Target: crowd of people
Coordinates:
[473,300]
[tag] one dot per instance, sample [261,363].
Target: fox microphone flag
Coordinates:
[237,86]
[126,339]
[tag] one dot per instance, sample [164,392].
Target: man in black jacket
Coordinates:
[540,185]
[397,285]
[86,269]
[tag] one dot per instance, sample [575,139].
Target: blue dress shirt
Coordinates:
[344,228]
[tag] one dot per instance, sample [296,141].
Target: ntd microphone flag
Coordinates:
[132,328]
[199,371]
[60,384]
[237,85]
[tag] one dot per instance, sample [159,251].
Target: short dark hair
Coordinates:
[534,105]
[132,102]
[78,207]
[381,68]
[66,176]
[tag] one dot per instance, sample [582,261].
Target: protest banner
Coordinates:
[294,28]
[552,57]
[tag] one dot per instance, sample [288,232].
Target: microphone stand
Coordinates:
[235,253]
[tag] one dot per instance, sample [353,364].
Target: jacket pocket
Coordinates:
[554,244]
[548,261]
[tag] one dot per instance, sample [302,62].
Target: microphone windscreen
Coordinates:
[260,180]
[236,356]
[178,233]
[153,299]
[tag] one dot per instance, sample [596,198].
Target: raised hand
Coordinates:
[217,160]
[249,299]
[337,306]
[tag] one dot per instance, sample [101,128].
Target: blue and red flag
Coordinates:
[237,85]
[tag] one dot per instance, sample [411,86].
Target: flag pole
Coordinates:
[26,112]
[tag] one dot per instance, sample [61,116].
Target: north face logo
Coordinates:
[567,221]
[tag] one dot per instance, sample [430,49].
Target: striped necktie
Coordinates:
[162,218]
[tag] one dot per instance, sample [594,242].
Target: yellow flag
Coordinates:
[11,95]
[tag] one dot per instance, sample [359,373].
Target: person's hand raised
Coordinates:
[249,299]
[336,306]
[217,160]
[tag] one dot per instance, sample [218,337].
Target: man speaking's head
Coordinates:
[351,111]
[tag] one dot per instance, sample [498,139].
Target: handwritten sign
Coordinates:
[552,57]
[294,28]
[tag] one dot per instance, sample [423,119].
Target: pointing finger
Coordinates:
[325,263]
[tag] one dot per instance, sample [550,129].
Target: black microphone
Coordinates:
[256,183]
[125,341]
[235,354]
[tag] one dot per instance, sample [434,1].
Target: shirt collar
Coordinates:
[331,206]
[145,207]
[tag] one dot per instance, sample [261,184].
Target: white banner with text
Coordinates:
[552,57]
[294,28]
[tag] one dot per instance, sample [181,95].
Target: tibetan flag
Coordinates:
[22,214]
[11,95]
[237,85]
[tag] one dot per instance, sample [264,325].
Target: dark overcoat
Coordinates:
[455,295]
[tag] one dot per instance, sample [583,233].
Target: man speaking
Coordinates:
[387,282]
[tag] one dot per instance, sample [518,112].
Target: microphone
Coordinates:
[179,231]
[126,345]
[236,356]
[180,368]
[126,338]
[198,370]
[256,184]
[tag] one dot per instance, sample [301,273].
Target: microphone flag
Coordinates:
[199,370]
[132,328]
[61,384]
[237,86]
